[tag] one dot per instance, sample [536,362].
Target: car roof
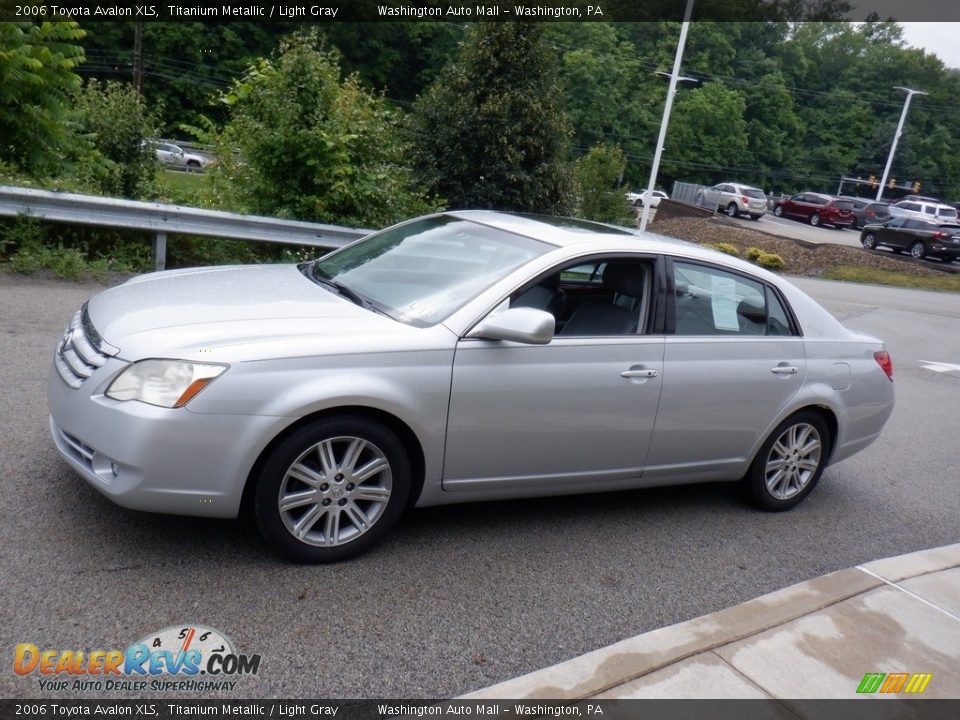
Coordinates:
[567,232]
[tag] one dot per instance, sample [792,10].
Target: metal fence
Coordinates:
[686,192]
[162,220]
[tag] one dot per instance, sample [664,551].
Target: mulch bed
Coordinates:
[800,260]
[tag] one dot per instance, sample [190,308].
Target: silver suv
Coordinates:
[734,199]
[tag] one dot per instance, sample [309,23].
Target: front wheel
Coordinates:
[332,489]
[790,462]
[815,219]
[778,211]
[732,210]
[869,241]
[918,251]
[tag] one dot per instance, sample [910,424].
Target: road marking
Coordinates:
[939,366]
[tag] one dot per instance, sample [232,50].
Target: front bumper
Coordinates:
[151,458]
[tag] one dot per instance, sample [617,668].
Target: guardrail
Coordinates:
[163,220]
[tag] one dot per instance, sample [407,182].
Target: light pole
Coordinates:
[896,137]
[674,76]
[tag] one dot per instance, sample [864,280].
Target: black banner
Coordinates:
[892,709]
[321,11]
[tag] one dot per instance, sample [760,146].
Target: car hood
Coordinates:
[212,313]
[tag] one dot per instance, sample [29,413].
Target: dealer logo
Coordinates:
[171,659]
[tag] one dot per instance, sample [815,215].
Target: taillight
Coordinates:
[746,200]
[886,364]
[939,234]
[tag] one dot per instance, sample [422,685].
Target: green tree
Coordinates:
[491,133]
[597,176]
[708,134]
[315,147]
[37,80]
[115,120]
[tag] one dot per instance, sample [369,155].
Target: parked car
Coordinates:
[875,212]
[734,199]
[866,210]
[926,210]
[922,238]
[817,209]
[638,199]
[171,155]
[420,366]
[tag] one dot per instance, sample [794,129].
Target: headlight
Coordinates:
[167,383]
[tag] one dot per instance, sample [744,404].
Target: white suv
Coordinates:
[926,209]
[734,199]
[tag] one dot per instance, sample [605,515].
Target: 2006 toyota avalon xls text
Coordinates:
[458,357]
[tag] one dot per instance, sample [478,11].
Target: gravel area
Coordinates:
[799,259]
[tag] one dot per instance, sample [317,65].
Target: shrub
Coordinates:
[770,261]
[725,248]
[753,253]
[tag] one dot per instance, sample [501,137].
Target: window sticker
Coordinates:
[724,303]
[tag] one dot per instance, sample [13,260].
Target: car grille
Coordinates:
[81,350]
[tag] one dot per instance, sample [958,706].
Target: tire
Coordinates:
[854,225]
[319,462]
[815,219]
[918,250]
[771,487]
[869,241]
[778,211]
[732,210]
[193,166]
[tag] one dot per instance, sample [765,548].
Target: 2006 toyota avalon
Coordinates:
[458,357]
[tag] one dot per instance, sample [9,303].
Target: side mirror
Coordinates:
[522,325]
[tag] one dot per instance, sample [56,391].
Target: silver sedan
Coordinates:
[459,357]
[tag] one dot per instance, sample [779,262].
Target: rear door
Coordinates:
[733,360]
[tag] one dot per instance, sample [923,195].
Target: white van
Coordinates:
[925,209]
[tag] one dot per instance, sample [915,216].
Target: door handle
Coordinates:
[638,374]
[785,370]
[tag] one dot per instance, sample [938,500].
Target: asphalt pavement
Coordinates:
[461,597]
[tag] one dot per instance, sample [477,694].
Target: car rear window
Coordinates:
[754,193]
[947,212]
[843,205]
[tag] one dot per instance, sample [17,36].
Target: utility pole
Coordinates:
[896,137]
[138,57]
[674,76]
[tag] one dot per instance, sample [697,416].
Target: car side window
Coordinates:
[711,301]
[606,297]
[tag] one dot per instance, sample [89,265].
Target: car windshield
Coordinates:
[421,272]
[754,193]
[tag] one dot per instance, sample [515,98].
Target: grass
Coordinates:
[847,273]
[185,188]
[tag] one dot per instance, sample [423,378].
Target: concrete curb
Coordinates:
[598,671]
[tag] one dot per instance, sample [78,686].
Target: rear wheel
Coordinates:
[732,210]
[790,463]
[815,219]
[918,250]
[332,489]
[869,241]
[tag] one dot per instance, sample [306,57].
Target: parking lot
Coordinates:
[458,597]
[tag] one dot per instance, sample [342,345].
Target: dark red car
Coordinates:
[817,209]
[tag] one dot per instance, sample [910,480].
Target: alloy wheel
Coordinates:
[917,250]
[869,241]
[793,461]
[335,491]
